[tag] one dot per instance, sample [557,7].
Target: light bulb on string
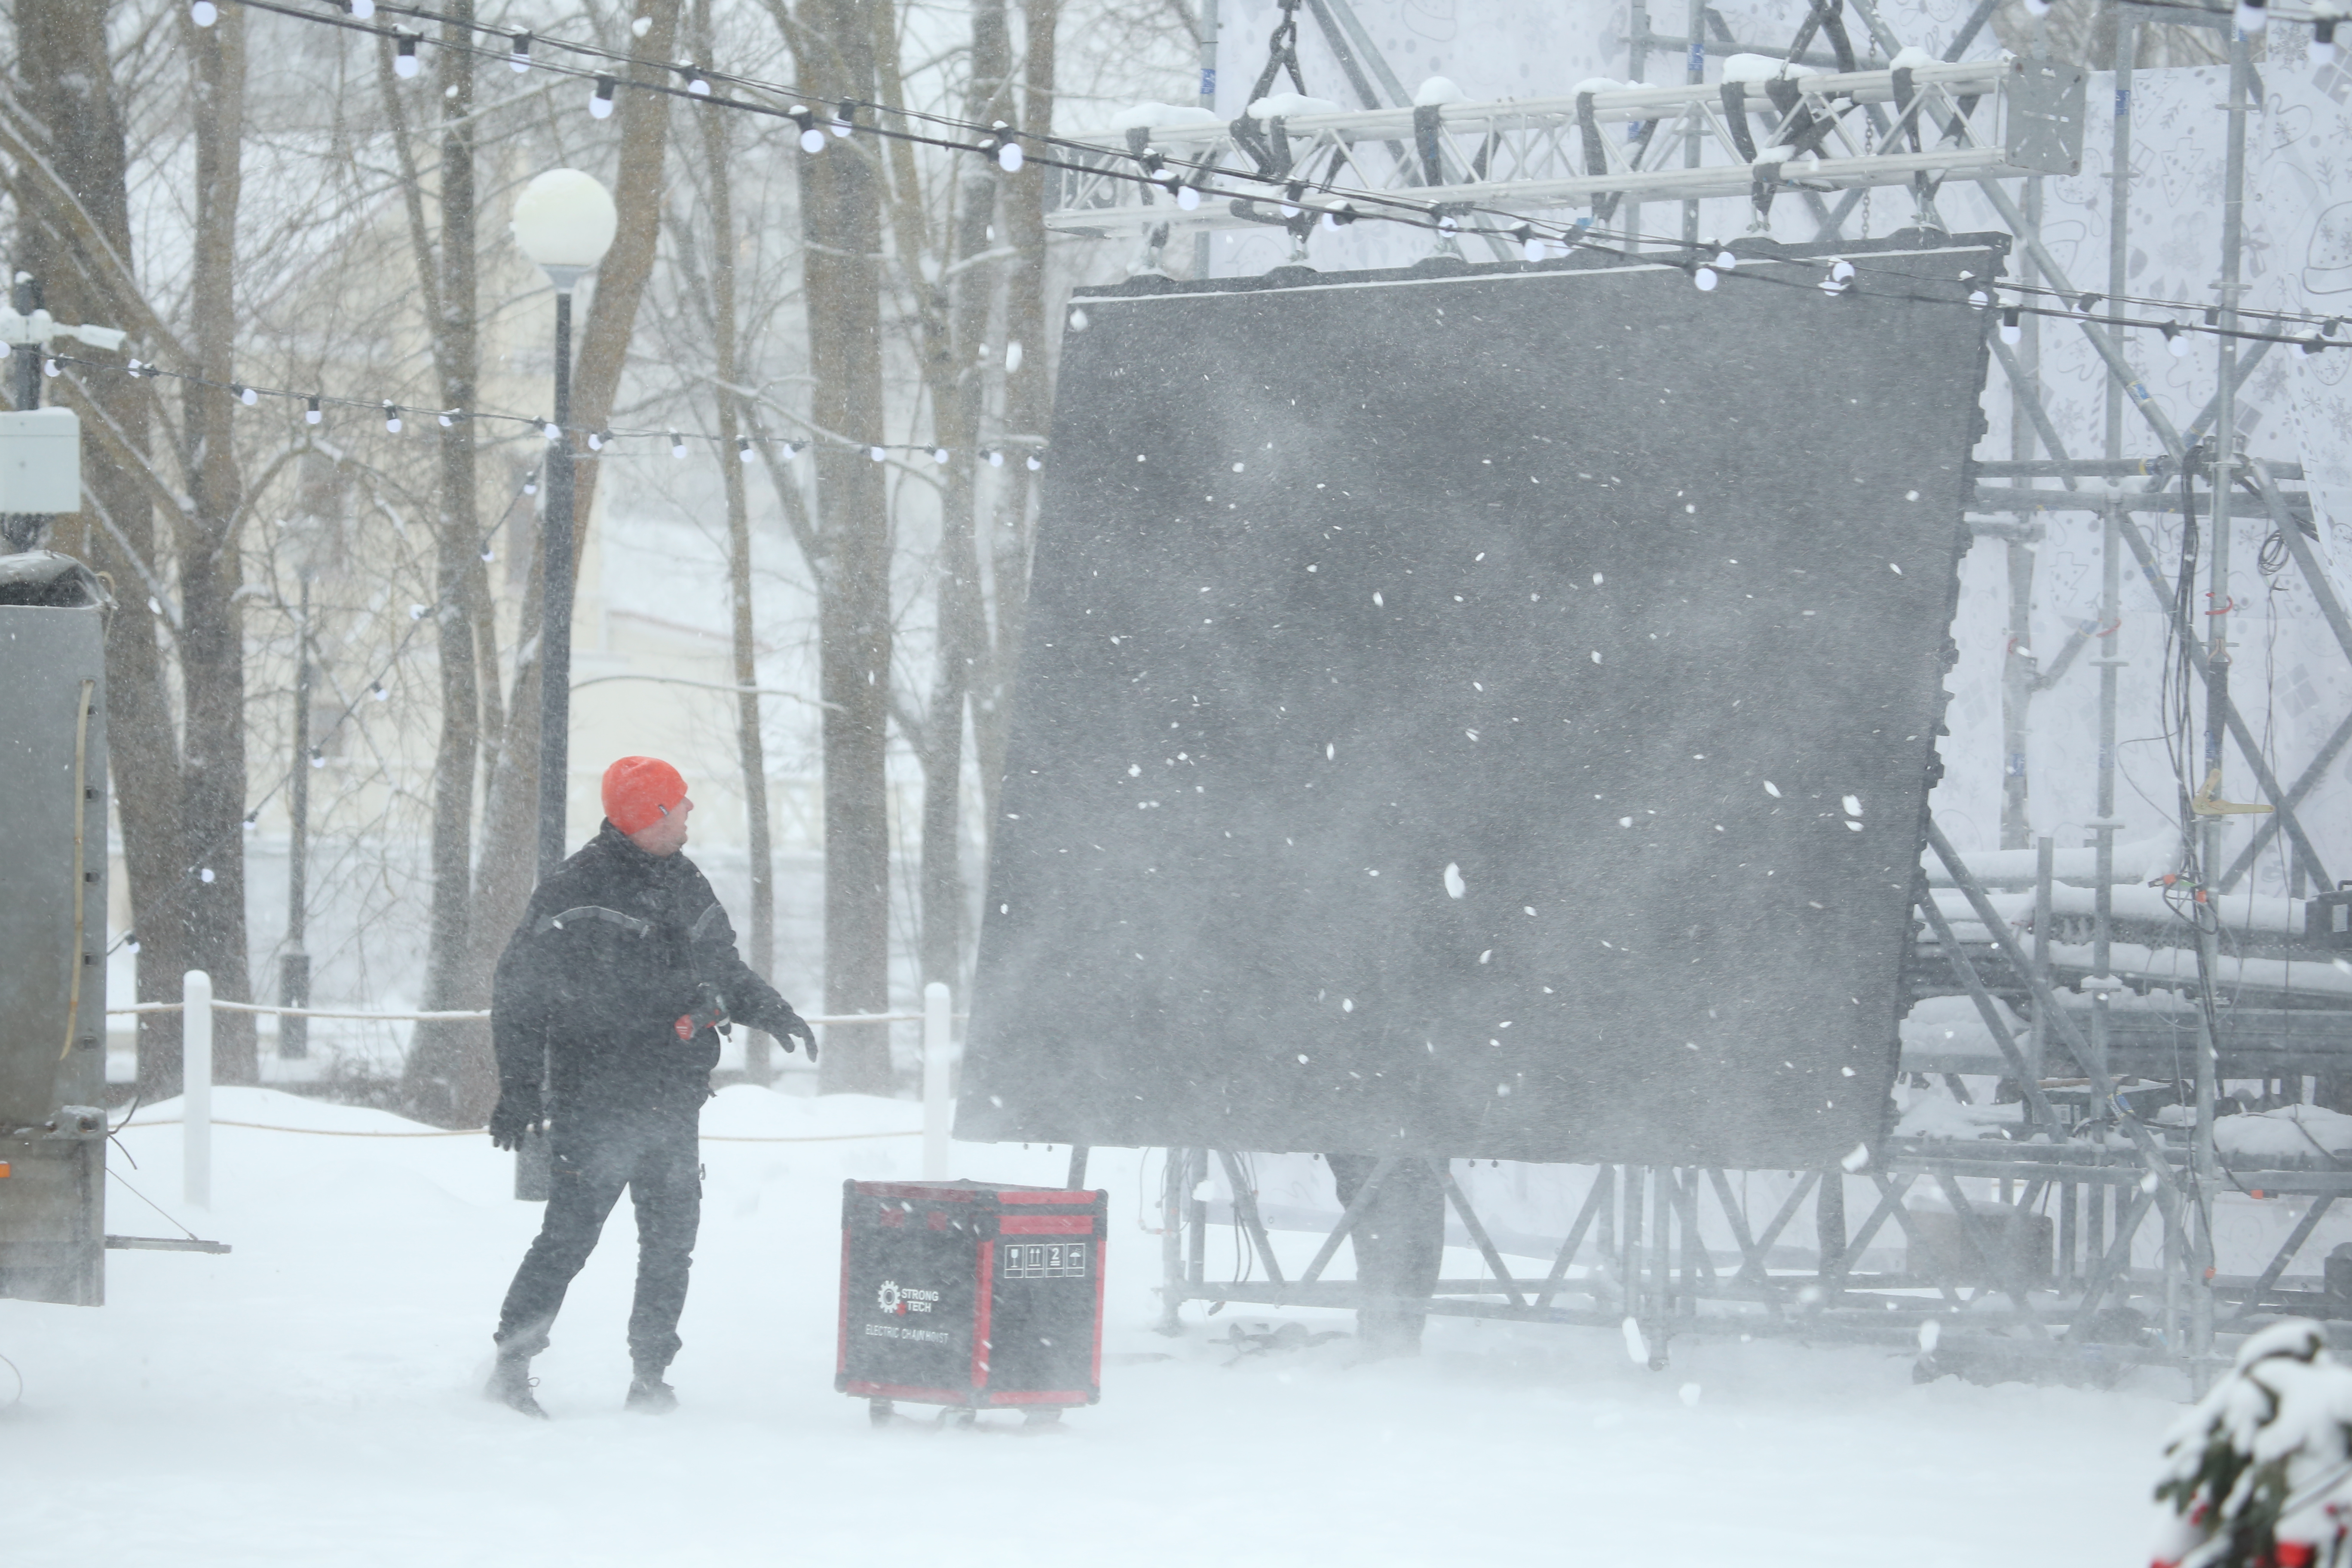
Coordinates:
[376,690]
[812,138]
[877,453]
[1340,216]
[2011,331]
[938,454]
[1531,248]
[2253,15]
[790,450]
[244,393]
[518,53]
[1724,261]
[530,483]
[1704,279]
[1840,276]
[2323,40]
[392,418]
[2313,343]
[311,413]
[362,9]
[203,12]
[743,453]
[1189,197]
[1009,156]
[553,432]
[697,82]
[405,62]
[676,444]
[600,107]
[844,117]
[995,459]
[595,440]
[1036,462]
[49,368]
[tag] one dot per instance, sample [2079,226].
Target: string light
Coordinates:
[877,453]
[676,444]
[553,432]
[938,454]
[812,138]
[2323,40]
[362,9]
[2253,15]
[518,53]
[2012,334]
[1036,462]
[844,117]
[404,63]
[49,368]
[1841,276]
[1704,279]
[391,418]
[600,107]
[743,453]
[1188,197]
[595,440]
[243,393]
[203,12]
[311,414]
[994,458]
[696,82]
[449,417]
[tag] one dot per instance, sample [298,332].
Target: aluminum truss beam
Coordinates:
[1973,120]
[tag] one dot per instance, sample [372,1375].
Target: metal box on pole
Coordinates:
[40,462]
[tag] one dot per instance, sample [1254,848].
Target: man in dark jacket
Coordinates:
[610,994]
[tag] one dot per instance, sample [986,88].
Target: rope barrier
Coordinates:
[446,1017]
[477,1132]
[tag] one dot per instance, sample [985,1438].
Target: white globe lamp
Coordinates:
[564,220]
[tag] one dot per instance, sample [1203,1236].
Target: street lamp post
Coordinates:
[564,220]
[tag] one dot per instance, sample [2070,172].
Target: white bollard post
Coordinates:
[196,1094]
[936,1110]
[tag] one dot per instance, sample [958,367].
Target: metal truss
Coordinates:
[2082,1149]
[1918,126]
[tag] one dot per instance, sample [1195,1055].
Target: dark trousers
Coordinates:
[659,1159]
[1400,1242]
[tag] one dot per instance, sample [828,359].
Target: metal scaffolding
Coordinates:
[2028,1258]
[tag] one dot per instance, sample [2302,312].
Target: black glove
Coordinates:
[788,1027]
[519,1110]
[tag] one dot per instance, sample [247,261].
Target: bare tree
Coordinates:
[212,637]
[449,1076]
[833,44]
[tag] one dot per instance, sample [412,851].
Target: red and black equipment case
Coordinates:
[970,1295]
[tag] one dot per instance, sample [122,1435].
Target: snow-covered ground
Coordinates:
[311,1399]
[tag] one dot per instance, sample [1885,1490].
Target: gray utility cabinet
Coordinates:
[53,884]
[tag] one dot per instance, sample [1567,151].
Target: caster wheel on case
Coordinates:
[1040,1416]
[962,1418]
[878,1412]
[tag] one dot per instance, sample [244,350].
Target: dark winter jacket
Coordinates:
[613,950]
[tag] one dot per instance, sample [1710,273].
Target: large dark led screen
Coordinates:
[1480,713]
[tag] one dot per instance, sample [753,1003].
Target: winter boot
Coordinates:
[510,1385]
[648,1394]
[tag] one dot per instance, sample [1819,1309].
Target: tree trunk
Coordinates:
[450,1078]
[1028,410]
[65,80]
[757,1046]
[955,377]
[509,865]
[841,228]
[212,638]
